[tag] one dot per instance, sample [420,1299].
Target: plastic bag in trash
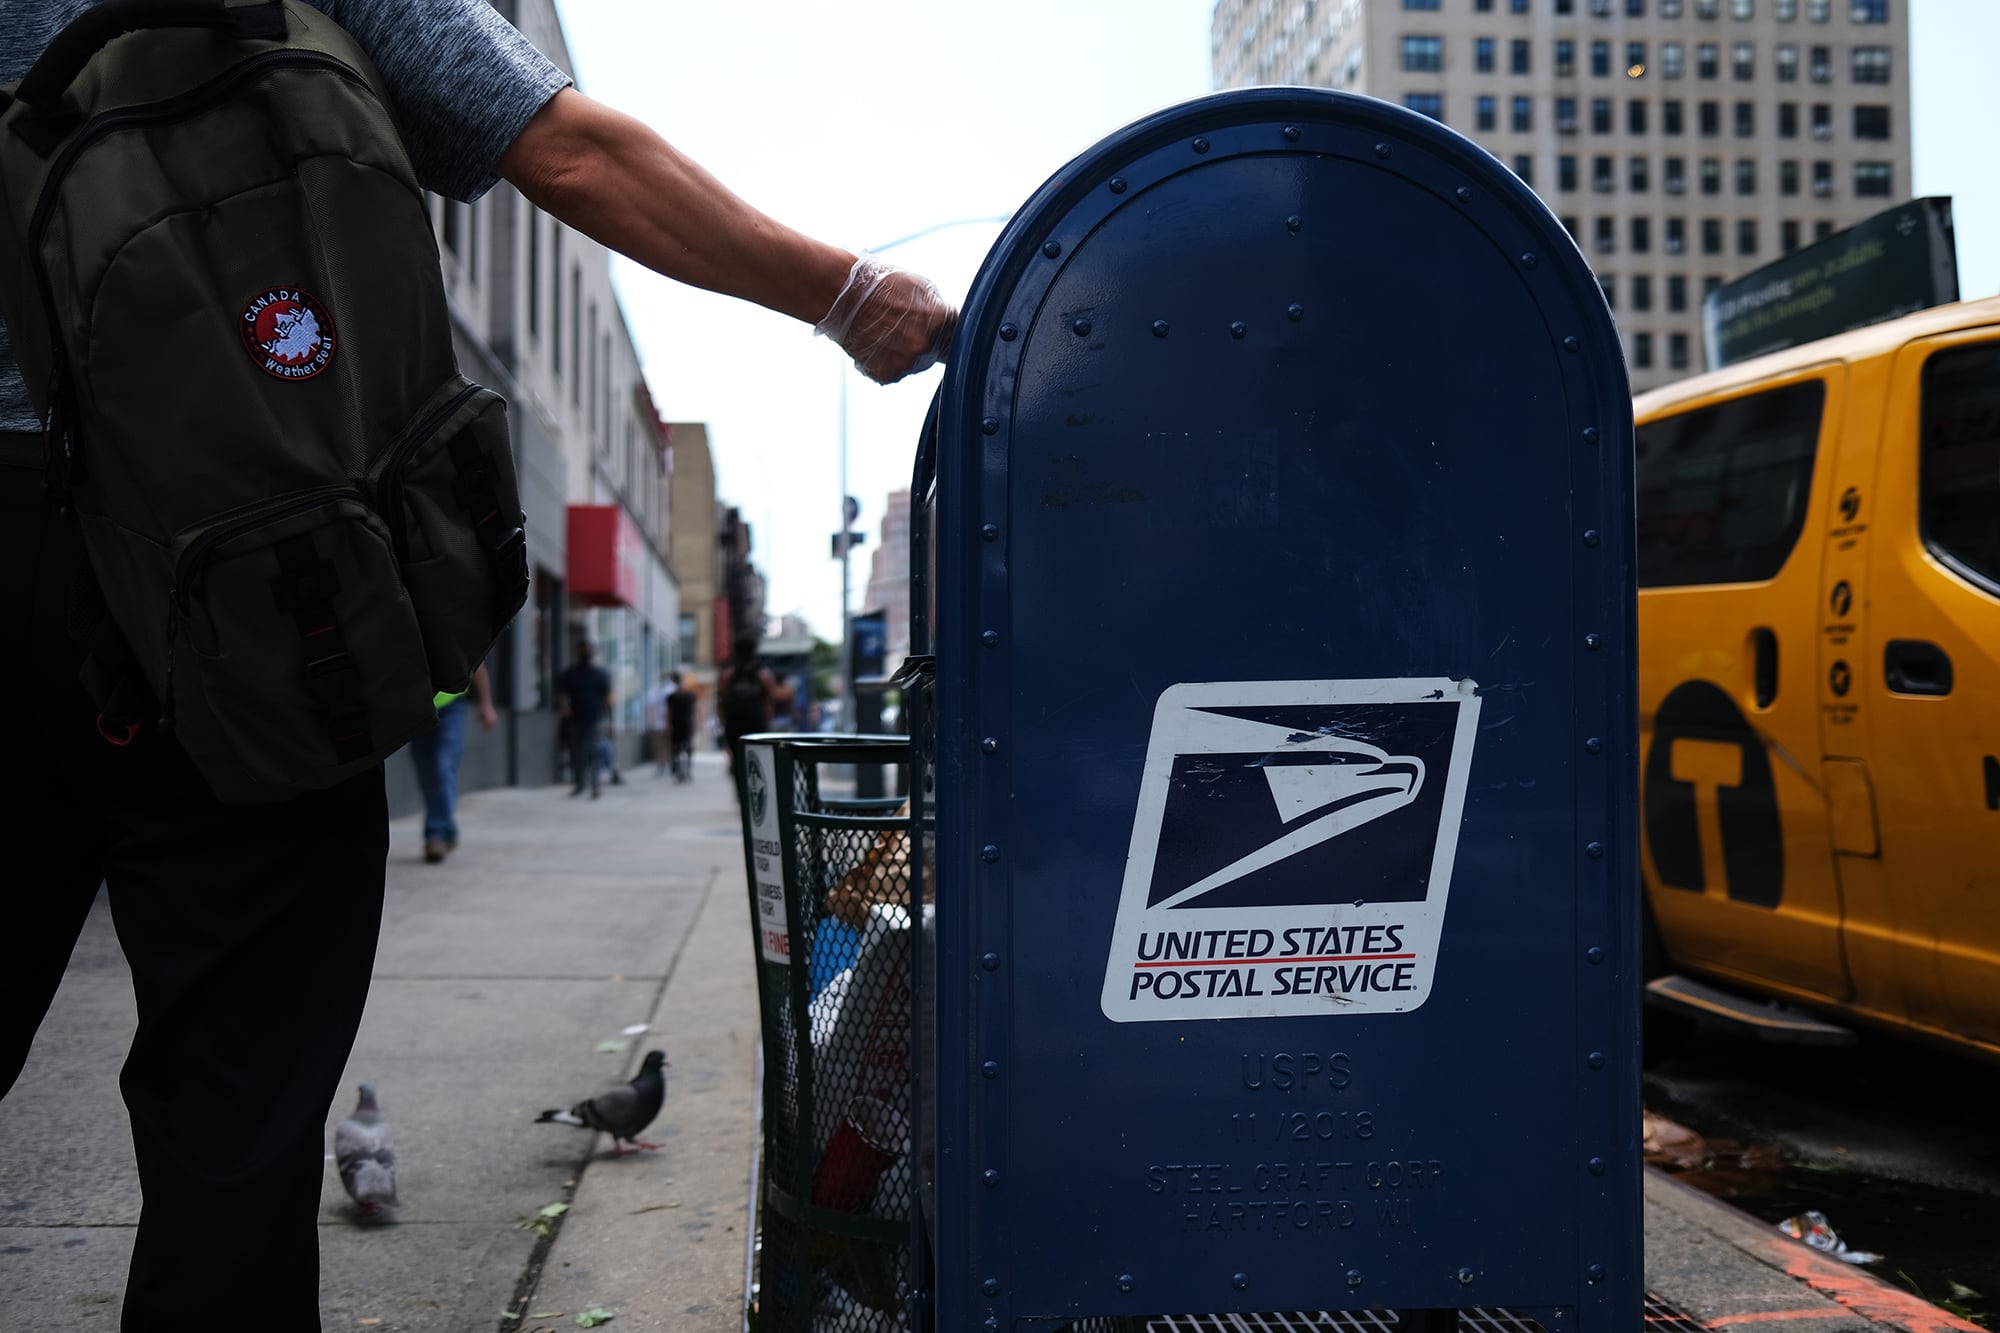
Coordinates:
[1812,1227]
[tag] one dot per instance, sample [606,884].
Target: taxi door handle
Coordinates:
[1914,666]
[1765,665]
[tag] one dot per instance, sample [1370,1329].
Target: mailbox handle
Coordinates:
[922,508]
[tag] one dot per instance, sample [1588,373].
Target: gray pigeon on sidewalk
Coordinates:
[623,1111]
[365,1152]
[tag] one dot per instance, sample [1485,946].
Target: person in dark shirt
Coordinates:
[583,701]
[680,729]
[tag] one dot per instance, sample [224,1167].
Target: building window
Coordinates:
[1788,120]
[1746,236]
[1517,6]
[1607,286]
[1746,120]
[1637,175]
[555,296]
[1788,176]
[576,334]
[1566,173]
[1871,178]
[1677,351]
[1958,477]
[1642,290]
[1711,236]
[1741,10]
[1635,59]
[1600,115]
[1524,167]
[1670,116]
[1708,285]
[1600,9]
[1565,6]
[1570,225]
[1677,293]
[1711,175]
[594,364]
[1635,116]
[1707,9]
[1822,120]
[1420,4]
[1707,60]
[534,269]
[1636,9]
[1602,178]
[1788,235]
[1524,114]
[1746,175]
[1673,175]
[1641,237]
[1642,351]
[1607,239]
[1871,64]
[1820,64]
[1566,115]
[1871,11]
[1425,104]
[1822,229]
[1710,119]
[1673,60]
[1670,9]
[1785,10]
[1743,61]
[1482,55]
[1517,55]
[1600,60]
[1788,63]
[1823,180]
[1871,122]
[1565,59]
[1484,115]
[1423,55]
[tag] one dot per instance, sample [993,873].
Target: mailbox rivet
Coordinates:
[1240,1281]
[1081,328]
[1353,1277]
[1596,1272]
[1595,1059]
[1159,328]
[991,638]
[991,1069]
[1465,1276]
[1125,1282]
[1291,134]
[991,1286]
[991,745]
[1590,435]
[1593,641]
[1596,1166]
[1464,194]
[990,426]
[989,532]
[1530,259]
[1294,222]
[1594,954]
[1008,333]
[1117,185]
[989,853]
[1052,248]
[1295,312]
[990,961]
[1592,745]
[1381,150]
[1238,329]
[989,1177]
[1593,850]
[1572,344]
[1201,145]
[1591,537]
[992,1323]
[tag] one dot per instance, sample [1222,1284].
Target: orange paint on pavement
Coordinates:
[1865,1294]
[1771,1316]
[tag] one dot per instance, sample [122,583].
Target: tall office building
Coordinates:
[1682,142]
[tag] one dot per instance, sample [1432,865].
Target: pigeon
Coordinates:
[621,1112]
[365,1152]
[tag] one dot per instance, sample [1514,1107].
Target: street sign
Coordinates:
[845,542]
[1283,753]
[851,507]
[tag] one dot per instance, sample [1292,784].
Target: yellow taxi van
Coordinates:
[1819,684]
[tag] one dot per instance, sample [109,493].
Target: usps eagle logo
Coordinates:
[288,333]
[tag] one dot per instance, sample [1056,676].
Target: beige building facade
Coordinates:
[1681,142]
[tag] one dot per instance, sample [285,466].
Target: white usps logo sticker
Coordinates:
[1292,849]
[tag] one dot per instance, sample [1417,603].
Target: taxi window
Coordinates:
[1959,483]
[1723,489]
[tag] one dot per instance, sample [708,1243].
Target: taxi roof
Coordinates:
[1855,345]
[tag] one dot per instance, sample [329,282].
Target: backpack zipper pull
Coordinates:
[167,693]
[57,455]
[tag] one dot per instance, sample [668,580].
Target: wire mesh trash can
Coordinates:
[830,904]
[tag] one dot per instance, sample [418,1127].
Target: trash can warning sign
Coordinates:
[1292,849]
[760,795]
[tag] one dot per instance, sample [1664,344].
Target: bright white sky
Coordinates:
[864,122]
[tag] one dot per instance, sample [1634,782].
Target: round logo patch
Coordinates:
[288,333]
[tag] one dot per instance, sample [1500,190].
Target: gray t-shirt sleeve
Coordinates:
[465,83]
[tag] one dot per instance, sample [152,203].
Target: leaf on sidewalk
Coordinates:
[594,1316]
[654,1208]
[613,1046]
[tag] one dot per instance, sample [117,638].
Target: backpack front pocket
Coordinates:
[294,657]
[448,491]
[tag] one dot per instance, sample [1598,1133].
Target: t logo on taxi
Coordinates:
[1292,849]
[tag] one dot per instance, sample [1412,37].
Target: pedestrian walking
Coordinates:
[583,702]
[750,694]
[251,927]
[656,722]
[436,752]
[680,727]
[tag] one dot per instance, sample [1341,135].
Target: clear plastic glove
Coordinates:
[891,321]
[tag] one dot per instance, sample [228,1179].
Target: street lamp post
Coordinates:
[845,538]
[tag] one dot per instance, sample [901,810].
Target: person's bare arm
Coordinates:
[614,179]
[482,698]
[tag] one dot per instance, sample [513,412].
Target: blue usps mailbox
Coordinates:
[1282,752]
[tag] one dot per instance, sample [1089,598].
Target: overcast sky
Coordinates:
[864,122]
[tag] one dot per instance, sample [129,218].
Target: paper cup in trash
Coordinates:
[866,1142]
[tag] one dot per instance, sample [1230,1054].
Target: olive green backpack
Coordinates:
[221,282]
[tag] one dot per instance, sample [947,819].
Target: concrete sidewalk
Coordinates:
[502,977]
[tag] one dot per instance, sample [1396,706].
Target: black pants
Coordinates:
[250,931]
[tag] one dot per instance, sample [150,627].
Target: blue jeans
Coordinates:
[436,751]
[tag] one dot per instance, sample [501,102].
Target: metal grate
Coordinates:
[1664,1318]
[1660,1318]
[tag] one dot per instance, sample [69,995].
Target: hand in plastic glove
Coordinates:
[892,322]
